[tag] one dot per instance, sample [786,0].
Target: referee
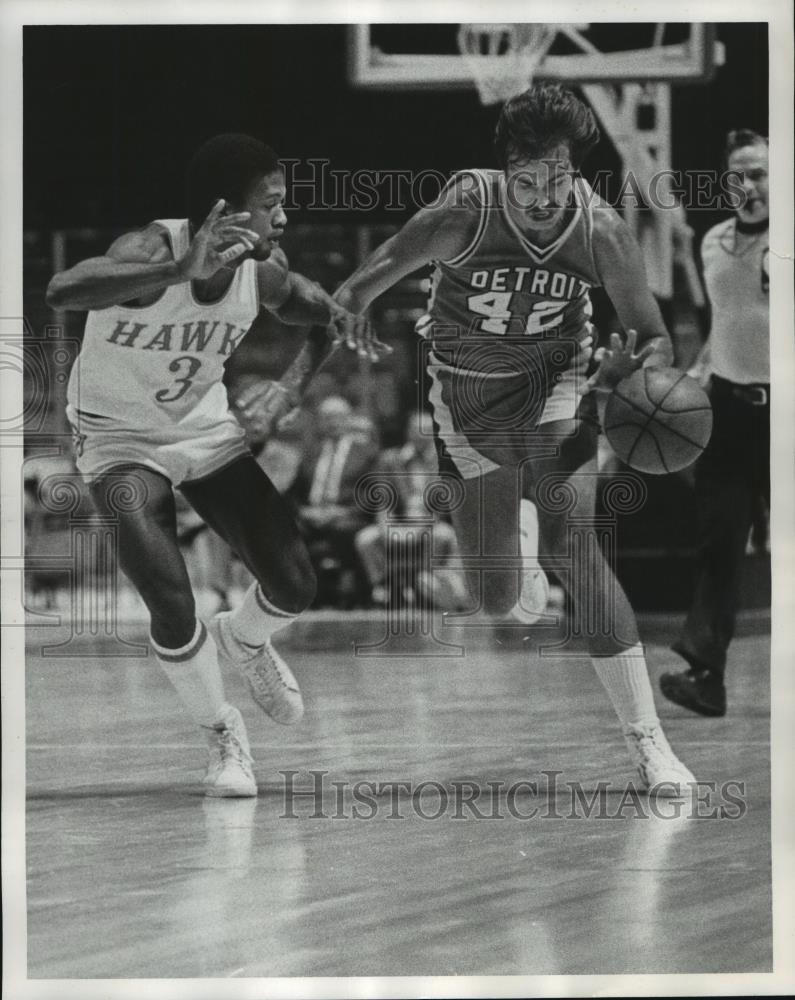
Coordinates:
[733,474]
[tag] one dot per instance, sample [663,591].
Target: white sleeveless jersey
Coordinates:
[164,363]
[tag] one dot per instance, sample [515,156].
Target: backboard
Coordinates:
[417,56]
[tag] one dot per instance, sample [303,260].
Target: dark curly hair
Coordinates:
[226,166]
[546,115]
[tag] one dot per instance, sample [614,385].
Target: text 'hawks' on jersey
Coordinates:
[504,286]
[163,362]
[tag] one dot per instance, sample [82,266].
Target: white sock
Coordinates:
[528,528]
[626,680]
[255,621]
[538,593]
[193,670]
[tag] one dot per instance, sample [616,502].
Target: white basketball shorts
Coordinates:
[181,451]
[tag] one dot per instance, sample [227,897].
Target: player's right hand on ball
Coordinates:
[219,242]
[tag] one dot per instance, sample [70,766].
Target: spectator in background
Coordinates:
[732,477]
[47,532]
[409,470]
[323,385]
[341,448]
[379,394]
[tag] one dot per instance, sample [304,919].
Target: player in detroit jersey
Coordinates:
[167,306]
[515,252]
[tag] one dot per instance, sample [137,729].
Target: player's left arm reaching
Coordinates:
[297,300]
[619,262]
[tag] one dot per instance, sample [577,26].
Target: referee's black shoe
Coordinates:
[699,690]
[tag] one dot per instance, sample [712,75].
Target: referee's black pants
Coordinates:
[731,477]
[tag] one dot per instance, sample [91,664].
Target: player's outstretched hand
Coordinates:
[205,255]
[617,362]
[356,333]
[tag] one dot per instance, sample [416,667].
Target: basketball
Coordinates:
[658,420]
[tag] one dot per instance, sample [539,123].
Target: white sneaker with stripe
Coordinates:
[231,772]
[270,680]
[660,770]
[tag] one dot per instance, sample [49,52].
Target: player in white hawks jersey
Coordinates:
[515,252]
[167,306]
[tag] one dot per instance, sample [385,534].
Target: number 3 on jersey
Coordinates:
[495,306]
[185,368]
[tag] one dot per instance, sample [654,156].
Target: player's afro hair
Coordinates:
[546,115]
[226,166]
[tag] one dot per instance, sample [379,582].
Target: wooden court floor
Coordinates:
[131,872]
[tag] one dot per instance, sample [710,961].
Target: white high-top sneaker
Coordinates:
[270,680]
[230,773]
[660,770]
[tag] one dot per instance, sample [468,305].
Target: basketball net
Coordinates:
[504,57]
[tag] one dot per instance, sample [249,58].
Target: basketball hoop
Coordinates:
[503,57]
